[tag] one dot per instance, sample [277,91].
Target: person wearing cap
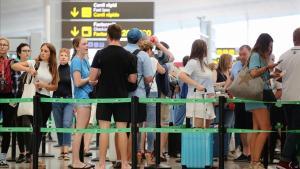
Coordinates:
[144,73]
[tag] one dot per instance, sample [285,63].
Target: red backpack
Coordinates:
[6,81]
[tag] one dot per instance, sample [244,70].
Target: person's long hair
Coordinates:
[199,52]
[75,43]
[262,45]
[224,62]
[52,62]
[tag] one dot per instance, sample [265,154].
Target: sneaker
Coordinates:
[28,158]
[3,164]
[241,158]
[286,165]
[21,158]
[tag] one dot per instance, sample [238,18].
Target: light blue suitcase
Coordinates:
[196,148]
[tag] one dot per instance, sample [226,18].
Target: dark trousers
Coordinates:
[9,114]
[24,139]
[291,146]
[44,114]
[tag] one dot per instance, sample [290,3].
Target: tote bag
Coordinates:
[26,108]
[246,87]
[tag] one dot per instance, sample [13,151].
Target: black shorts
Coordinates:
[120,111]
[141,113]
[243,118]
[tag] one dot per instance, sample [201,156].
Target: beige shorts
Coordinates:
[164,111]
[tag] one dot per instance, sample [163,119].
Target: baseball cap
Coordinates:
[134,35]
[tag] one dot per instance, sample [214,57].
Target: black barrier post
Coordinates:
[134,130]
[81,149]
[36,130]
[222,131]
[266,154]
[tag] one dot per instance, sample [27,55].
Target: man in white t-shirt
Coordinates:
[291,92]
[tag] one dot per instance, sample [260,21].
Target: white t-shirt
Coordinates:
[291,69]
[199,110]
[154,68]
[194,70]
[43,75]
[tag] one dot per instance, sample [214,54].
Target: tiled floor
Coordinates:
[54,163]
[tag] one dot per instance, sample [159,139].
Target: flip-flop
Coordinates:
[86,166]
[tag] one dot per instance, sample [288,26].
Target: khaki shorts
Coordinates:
[164,112]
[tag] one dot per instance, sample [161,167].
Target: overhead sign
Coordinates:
[221,51]
[107,10]
[92,44]
[98,29]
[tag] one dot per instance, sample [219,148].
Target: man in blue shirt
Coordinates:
[243,119]
[144,75]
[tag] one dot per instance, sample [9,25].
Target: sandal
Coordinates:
[66,157]
[61,157]
[86,166]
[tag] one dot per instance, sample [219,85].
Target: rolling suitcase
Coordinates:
[196,148]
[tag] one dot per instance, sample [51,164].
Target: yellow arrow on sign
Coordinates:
[74,12]
[74,31]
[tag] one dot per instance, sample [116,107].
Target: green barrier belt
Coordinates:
[16,129]
[233,130]
[179,130]
[177,101]
[63,100]
[69,130]
[173,129]
[16,100]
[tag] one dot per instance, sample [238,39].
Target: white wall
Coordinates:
[233,35]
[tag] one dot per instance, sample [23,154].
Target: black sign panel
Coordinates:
[93,44]
[107,10]
[98,29]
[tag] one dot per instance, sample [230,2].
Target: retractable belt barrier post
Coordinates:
[134,130]
[36,131]
[222,131]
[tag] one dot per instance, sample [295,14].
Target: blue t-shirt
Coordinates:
[83,66]
[257,62]
[236,69]
[144,69]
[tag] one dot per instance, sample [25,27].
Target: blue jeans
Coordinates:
[151,121]
[292,141]
[63,118]
[228,123]
[178,113]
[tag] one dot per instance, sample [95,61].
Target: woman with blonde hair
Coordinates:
[63,112]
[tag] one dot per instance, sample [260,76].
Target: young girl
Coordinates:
[80,70]
[198,76]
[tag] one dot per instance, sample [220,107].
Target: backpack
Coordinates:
[131,87]
[163,82]
[6,80]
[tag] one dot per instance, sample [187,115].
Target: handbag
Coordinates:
[29,90]
[26,108]
[245,86]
